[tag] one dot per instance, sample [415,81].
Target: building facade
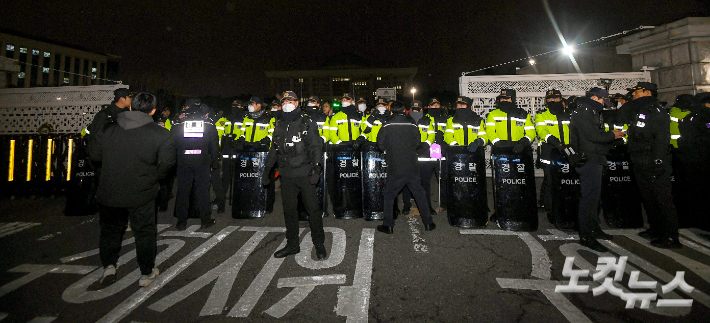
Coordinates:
[46,64]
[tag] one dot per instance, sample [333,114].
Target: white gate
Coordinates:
[67,109]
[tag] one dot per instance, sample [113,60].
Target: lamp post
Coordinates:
[413,92]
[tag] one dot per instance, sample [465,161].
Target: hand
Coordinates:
[618,134]
[265,178]
[265,141]
[314,176]
[472,147]
[358,142]
[552,140]
[520,145]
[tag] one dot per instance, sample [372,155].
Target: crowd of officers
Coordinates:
[583,129]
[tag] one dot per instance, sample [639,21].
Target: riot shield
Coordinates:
[467,203]
[565,191]
[514,189]
[374,176]
[320,191]
[621,200]
[81,179]
[249,198]
[347,200]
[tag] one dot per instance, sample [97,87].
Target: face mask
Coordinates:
[288,107]
[618,105]
[416,114]
[345,104]
[362,107]
[311,104]
[555,107]
[251,108]
[382,109]
[434,112]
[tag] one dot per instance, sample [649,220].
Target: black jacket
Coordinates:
[695,141]
[296,145]
[136,153]
[649,134]
[399,138]
[103,119]
[587,134]
[196,150]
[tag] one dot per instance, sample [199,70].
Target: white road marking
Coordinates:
[253,293]
[335,256]
[225,274]
[189,233]
[547,287]
[557,235]
[128,305]
[693,234]
[541,265]
[354,301]
[37,271]
[78,292]
[14,227]
[94,252]
[43,319]
[2,316]
[419,243]
[302,287]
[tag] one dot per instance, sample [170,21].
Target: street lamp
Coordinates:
[413,92]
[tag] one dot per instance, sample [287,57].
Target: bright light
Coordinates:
[414,90]
[568,50]
[532,62]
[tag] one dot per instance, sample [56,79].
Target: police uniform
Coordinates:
[314,112]
[694,146]
[166,184]
[437,119]
[649,139]
[427,133]
[197,152]
[345,125]
[509,125]
[681,188]
[298,149]
[374,121]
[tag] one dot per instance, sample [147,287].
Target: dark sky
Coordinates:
[223,47]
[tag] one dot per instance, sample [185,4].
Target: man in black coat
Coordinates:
[121,102]
[298,149]
[588,137]
[649,149]
[399,138]
[136,153]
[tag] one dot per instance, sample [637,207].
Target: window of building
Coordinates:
[23,50]
[379,78]
[45,70]
[21,75]
[10,47]
[300,80]
[360,83]
[57,67]
[47,54]
[10,51]
[35,52]
[93,70]
[341,79]
[77,62]
[66,80]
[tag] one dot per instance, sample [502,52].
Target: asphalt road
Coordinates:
[49,271]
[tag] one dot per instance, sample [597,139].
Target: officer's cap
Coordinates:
[121,93]
[313,98]
[381,101]
[620,96]
[256,100]
[434,100]
[645,86]
[192,102]
[465,100]
[703,97]
[347,96]
[507,93]
[553,94]
[205,109]
[290,95]
[361,100]
[275,103]
[600,93]
[684,101]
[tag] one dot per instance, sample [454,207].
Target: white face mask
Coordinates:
[345,104]
[274,109]
[251,108]
[288,107]
[311,104]
[382,109]
[618,105]
[362,107]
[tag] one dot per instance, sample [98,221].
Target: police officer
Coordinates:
[345,125]
[694,146]
[437,117]
[552,127]
[374,121]
[298,150]
[197,153]
[465,127]
[313,111]
[591,140]
[164,118]
[427,135]
[400,139]
[275,109]
[509,125]
[682,107]
[121,101]
[649,138]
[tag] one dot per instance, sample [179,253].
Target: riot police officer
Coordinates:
[298,150]
[694,145]
[427,135]
[649,139]
[197,153]
[345,125]
[465,127]
[438,118]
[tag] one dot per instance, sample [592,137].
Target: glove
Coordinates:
[265,179]
[520,145]
[552,140]
[423,149]
[314,175]
[265,141]
[358,142]
[239,143]
[472,147]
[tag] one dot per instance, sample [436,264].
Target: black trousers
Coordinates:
[113,222]
[290,189]
[426,168]
[217,187]
[546,194]
[590,180]
[394,185]
[227,175]
[166,190]
[195,178]
[271,191]
[657,199]
[329,178]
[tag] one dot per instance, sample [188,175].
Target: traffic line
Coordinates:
[541,264]
[94,252]
[7,229]
[354,301]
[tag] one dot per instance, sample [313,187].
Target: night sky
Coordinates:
[222,48]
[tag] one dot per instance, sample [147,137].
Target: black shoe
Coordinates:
[287,251]
[321,253]
[432,211]
[648,234]
[181,225]
[667,243]
[208,224]
[406,211]
[602,235]
[593,244]
[385,229]
[430,226]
